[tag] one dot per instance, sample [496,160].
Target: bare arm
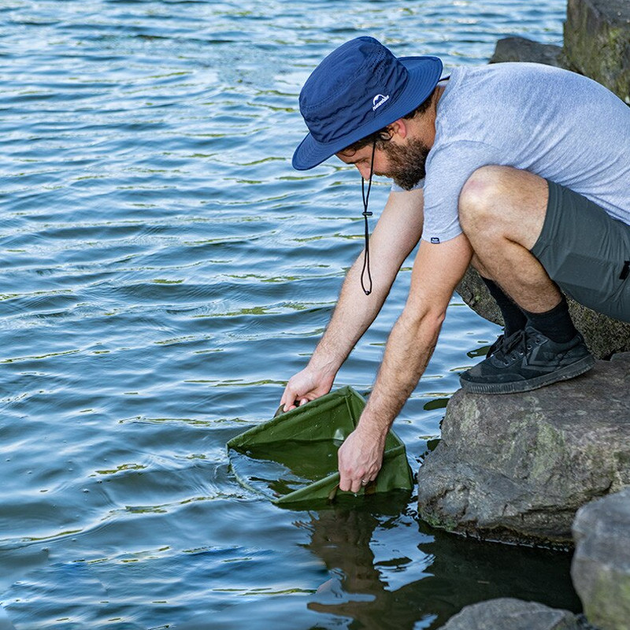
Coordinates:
[395,235]
[436,272]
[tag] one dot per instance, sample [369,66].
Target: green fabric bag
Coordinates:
[303,444]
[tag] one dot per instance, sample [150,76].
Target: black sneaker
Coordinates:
[527,360]
[497,345]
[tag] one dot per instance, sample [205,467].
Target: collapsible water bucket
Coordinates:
[293,458]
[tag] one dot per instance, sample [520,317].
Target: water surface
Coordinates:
[164,272]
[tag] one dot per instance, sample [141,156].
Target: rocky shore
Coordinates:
[600,572]
[517,468]
[549,467]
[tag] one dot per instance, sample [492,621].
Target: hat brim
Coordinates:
[424,75]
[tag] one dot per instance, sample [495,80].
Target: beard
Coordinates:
[407,162]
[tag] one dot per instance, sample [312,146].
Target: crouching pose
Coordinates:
[521,169]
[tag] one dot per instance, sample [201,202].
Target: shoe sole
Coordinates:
[563,374]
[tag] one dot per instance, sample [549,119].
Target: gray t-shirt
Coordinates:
[551,122]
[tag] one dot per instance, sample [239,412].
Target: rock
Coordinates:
[523,49]
[597,42]
[475,293]
[604,336]
[501,614]
[517,467]
[601,564]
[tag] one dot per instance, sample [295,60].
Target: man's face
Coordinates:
[402,162]
[406,162]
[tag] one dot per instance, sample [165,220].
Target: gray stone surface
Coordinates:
[517,467]
[597,42]
[601,563]
[523,49]
[604,336]
[512,614]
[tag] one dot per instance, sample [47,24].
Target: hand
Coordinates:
[360,458]
[305,386]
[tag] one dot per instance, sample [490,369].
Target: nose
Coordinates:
[364,169]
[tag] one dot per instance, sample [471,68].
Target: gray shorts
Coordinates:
[586,252]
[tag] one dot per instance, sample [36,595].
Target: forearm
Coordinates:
[353,315]
[408,350]
[395,235]
[407,354]
[436,272]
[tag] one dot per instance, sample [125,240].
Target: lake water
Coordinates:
[164,272]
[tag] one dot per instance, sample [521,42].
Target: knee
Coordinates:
[479,199]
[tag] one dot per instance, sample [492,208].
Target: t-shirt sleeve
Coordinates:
[448,168]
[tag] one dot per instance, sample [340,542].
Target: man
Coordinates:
[520,169]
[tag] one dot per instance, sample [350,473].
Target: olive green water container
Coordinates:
[303,444]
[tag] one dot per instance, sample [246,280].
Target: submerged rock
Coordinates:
[601,563]
[604,336]
[501,614]
[517,467]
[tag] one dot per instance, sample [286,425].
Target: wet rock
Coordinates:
[517,467]
[523,49]
[597,42]
[500,614]
[601,563]
[604,336]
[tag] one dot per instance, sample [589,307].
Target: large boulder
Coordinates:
[604,336]
[517,467]
[523,49]
[597,42]
[601,563]
[501,614]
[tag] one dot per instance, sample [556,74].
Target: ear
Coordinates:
[399,128]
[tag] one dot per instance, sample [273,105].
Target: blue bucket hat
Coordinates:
[358,89]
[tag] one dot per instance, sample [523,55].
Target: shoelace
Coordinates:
[505,348]
[366,214]
[497,345]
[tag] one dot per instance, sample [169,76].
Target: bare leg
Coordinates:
[478,265]
[502,211]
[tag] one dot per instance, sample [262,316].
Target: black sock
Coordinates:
[513,317]
[555,324]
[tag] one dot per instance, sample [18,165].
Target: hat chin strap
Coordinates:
[366,214]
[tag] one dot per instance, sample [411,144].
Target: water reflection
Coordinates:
[421,584]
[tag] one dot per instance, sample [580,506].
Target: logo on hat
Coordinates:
[379,100]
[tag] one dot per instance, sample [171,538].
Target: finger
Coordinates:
[345,483]
[285,397]
[288,399]
[357,484]
[303,401]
